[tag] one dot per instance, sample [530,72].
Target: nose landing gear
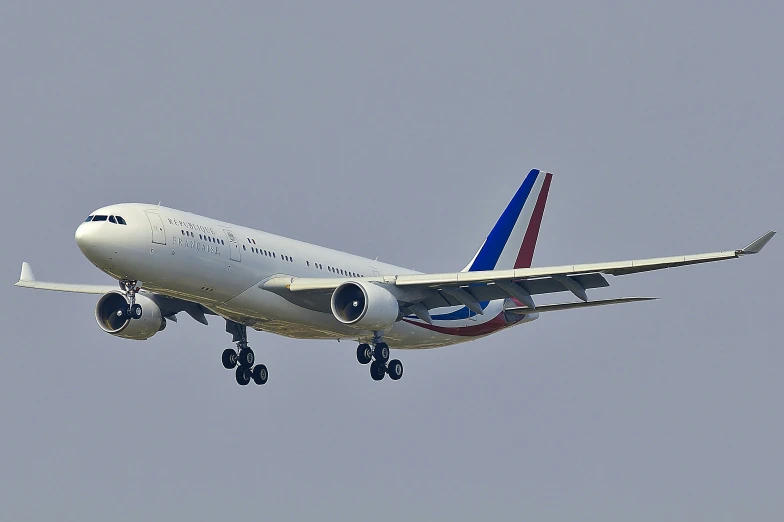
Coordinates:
[243,357]
[130,288]
[377,357]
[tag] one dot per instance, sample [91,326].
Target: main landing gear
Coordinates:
[243,357]
[378,358]
[134,310]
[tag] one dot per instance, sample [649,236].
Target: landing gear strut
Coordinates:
[378,356]
[130,288]
[243,357]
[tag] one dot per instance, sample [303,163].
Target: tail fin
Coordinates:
[512,240]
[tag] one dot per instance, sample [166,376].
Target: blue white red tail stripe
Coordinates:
[512,240]
[526,254]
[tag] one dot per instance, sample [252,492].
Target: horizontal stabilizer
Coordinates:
[522,310]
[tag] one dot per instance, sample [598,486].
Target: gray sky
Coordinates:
[401,131]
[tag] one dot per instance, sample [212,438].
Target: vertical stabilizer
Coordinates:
[512,240]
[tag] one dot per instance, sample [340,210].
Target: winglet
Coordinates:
[758,245]
[27,272]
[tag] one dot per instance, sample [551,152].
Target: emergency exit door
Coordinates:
[234,246]
[156,223]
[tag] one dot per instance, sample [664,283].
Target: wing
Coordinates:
[470,289]
[170,306]
[27,280]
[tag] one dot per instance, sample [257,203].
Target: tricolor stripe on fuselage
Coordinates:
[510,244]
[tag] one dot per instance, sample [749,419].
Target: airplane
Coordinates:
[168,261]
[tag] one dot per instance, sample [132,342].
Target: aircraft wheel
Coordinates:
[260,374]
[395,369]
[246,358]
[364,353]
[381,352]
[377,370]
[229,358]
[242,375]
[136,311]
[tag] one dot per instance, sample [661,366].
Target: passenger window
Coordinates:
[99,218]
[112,220]
[120,220]
[89,218]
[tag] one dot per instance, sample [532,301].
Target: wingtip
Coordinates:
[27,272]
[756,246]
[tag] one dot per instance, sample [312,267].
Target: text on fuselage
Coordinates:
[192,226]
[190,243]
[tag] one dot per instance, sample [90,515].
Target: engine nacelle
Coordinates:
[365,306]
[150,323]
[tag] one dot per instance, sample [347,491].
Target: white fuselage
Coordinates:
[221,266]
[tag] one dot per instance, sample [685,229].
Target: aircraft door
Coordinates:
[234,246]
[156,223]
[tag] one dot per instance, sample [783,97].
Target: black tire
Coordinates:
[377,370]
[395,369]
[229,359]
[242,375]
[136,311]
[364,353]
[260,374]
[381,352]
[246,358]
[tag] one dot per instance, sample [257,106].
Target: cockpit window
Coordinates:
[120,220]
[112,220]
[99,218]
[89,218]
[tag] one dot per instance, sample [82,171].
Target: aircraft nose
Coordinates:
[85,236]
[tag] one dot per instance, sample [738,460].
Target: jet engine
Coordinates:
[110,317]
[365,306]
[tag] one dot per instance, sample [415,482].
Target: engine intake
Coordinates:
[150,323]
[365,306]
